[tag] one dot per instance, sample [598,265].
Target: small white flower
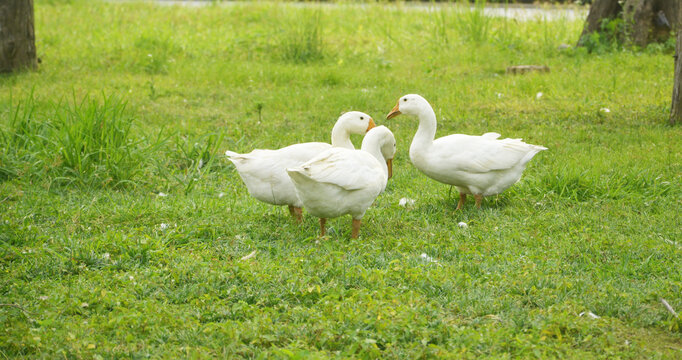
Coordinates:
[106,256]
[590,314]
[84,305]
[462,224]
[131,278]
[163,226]
[404,202]
[364,90]
[221,194]
[149,55]
[605,110]
[538,95]
[499,95]
[44,297]
[161,194]
[427,258]
[201,164]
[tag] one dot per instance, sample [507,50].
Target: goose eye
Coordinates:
[405,99]
[362,118]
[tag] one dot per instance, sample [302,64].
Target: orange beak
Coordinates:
[371,125]
[394,112]
[389,163]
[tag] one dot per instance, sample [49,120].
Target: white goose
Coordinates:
[477,165]
[264,171]
[342,181]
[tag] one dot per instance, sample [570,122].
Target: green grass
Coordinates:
[134,101]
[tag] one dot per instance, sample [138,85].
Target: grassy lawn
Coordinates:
[123,226]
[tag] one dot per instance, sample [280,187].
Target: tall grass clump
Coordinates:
[441,25]
[18,142]
[473,24]
[86,142]
[303,43]
[94,142]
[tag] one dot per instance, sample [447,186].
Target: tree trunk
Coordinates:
[17,38]
[644,21]
[600,10]
[638,15]
[676,109]
[649,21]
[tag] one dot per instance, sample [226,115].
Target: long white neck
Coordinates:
[341,137]
[423,138]
[372,145]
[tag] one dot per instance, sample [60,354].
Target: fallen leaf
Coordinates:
[252,254]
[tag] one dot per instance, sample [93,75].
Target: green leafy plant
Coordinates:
[610,37]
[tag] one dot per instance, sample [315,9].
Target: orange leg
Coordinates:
[323,221]
[297,213]
[462,200]
[356,228]
[478,198]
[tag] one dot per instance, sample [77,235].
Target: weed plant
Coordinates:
[84,141]
[124,232]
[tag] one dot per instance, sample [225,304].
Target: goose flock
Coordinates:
[336,180]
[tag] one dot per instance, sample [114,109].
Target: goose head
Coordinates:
[411,104]
[380,142]
[355,122]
